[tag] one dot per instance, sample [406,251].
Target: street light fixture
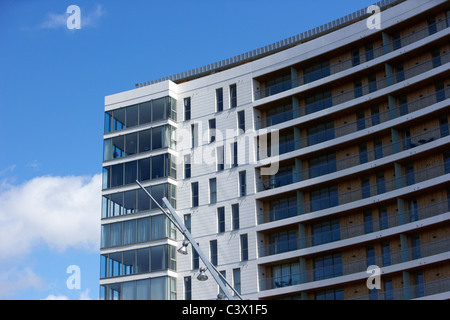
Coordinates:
[183,249]
[202,276]
[178,223]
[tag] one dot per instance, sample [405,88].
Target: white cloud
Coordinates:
[61,212]
[53,297]
[15,280]
[88,19]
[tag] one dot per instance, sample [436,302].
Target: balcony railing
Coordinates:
[412,292]
[353,61]
[395,220]
[343,269]
[361,193]
[331,166]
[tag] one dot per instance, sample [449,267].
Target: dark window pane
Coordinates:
[144,141]
[158,109]
[157,137]
[118,145]
[144,169]
[119,119]
[132,116]
[130,172]
[131,144]
[156,258]
[145,113]
[143,201]
[143,260]
[108,122]
[158,194]
[129,201]
[158,166]
[117,175]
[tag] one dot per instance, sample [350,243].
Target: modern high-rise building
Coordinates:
[296,167]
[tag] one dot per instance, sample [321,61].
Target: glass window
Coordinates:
[355,57]
[220,155]
[157,138]
[233,96]
[158,289]
[157,227]
[213,252]
[370,255]
[324,198]
[319,102]
[145,141]
[234,154]
[372,83]
[143,201]
[244,247]
[116,204]
[115,234]
[375,112]
[145,113]
[132,116]
[107,149]
[129,232]
[444,128]
[118,147]
[143,289]
[322,165]
[212,190]
[358,91]
[144,169]
[119,119]
[241,121]
[158,109]
[130,172]
[237,280]
[381,187]
[158,193]
[115,264]
[325,232]
[106,181]
[129,201]
[117,175]
[363,153]
[194,194]
[365,187]
[212,130]
[235,216]
[187,108]
[386,254]
[143,229]
[129,262]
[108,121]
[219,99]
[187,166]
[221,219]
[316,72]
[242,183]
[187,288]
[157,256]
[320,133]
[158,167]
[368,224]
[105,236]
[388,290]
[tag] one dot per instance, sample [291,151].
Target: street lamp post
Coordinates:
[176,220]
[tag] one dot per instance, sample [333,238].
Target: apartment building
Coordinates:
[296,167]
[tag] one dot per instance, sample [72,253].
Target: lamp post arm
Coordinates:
[176,220]
[214,273]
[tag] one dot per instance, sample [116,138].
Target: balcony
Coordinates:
[288,175]
[335,199]
[369,227]
[353,61]
[355,267]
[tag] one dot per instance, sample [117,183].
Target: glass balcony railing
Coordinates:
[354,60]
[283,179]
[357,266]
[335,199]
[368,227]
[412,292]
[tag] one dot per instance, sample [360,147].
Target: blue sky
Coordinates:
[52,87]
